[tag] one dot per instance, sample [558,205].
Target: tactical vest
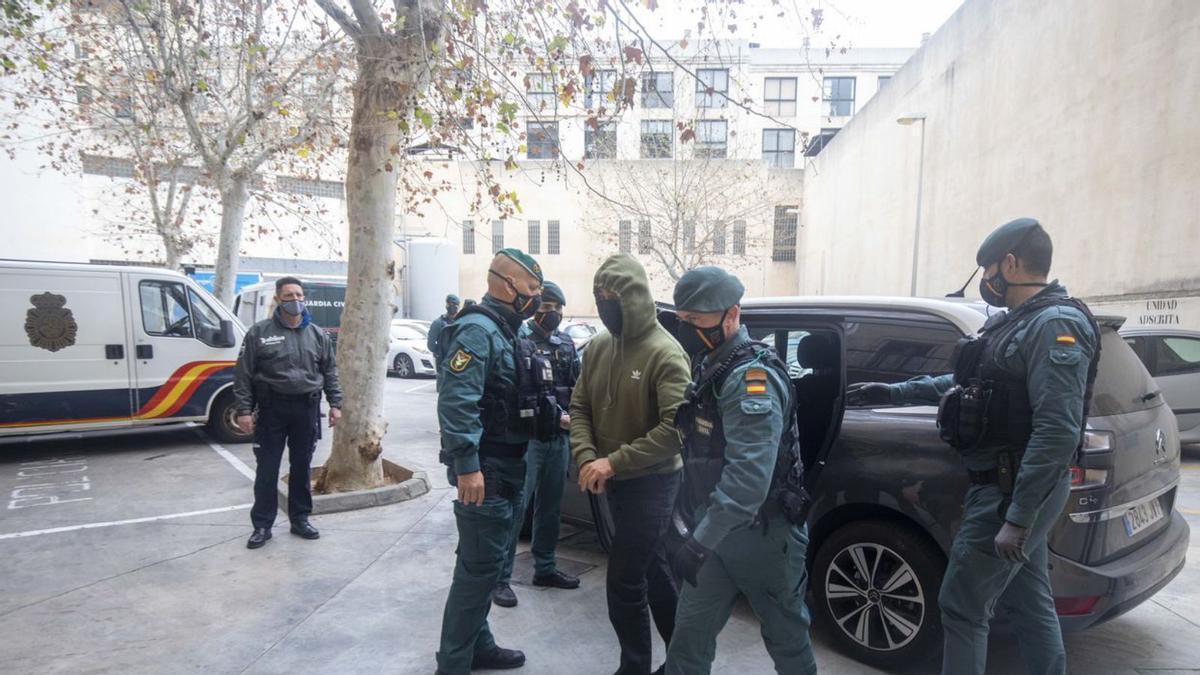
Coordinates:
[699,422]
[524,409]
[559,349]
[989,404]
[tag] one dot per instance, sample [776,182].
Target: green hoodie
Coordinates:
[623,406]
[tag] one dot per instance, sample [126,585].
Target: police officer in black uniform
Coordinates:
[285,364]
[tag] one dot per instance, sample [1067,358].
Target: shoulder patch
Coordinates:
[1065,339]
[756,381]
[460,361]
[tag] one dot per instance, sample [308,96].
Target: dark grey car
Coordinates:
[891,496]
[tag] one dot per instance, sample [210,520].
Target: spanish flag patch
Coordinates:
[756,381]
[1066,339]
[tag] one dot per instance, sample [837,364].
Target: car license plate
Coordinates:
[1142,516]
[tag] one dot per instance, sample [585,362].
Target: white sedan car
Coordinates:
[407,354]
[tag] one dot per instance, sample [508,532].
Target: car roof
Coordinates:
[85,267]
[1135,331]
[967,315]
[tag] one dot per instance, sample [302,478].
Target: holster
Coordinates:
[1007,466]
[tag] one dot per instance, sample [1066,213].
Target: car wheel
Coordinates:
[876,585]
[222,421]
[403,365]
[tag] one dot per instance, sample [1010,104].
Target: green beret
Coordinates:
[1003,240]
[552,293]
[707,289]
[452,299]
[468,302]
[524,260]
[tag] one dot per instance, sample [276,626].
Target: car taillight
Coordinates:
[1097,441]
[1075,606]
[1082,479]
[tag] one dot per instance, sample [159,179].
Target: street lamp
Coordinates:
[906,120]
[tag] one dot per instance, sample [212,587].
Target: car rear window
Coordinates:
[1122,382]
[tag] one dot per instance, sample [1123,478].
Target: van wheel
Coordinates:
[876,585]
[222,421]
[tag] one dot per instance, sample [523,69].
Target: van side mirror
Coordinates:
[226,338]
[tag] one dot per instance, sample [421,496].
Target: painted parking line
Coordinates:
[1190,512]
[229,457]
[130,521]
[420,387]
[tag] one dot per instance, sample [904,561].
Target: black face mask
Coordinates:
[994,289]
[696,340]
[524,305]
[548,321]
[451,311]
[610,314]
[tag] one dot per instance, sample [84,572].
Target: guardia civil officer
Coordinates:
[434,340]
[739,442]
[487,408]
[285,363]
[1016,407]
[546,459]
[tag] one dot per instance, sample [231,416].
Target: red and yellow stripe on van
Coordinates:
[165,402]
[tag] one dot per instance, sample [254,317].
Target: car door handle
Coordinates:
[145,351]
[114,352]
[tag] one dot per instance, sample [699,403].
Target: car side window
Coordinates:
[886,350]
[1176,355]
[206,321]
[165,309]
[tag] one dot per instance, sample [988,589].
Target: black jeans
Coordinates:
[297,422]
[639,573]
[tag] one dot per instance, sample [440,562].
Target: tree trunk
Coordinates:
[388,74]
[235,194]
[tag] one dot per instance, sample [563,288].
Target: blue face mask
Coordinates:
[293,307]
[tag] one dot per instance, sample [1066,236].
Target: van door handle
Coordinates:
[145,351]
[114,352]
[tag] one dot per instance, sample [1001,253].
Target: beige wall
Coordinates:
[1080,113]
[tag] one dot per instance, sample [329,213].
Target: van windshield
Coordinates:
[1122,382]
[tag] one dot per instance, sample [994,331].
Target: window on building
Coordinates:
[839,96]
[785,234]
[739,238]
[711,138]
[657,138]
[779,147]
[600,85]
[123,107]
[645,243]
[689,237]
[497,235]
[83,94]
[114,167]
[658,90]
[779,96]
[535,237]
[552,237]
[884,79]
[539,91]
[541,140]
[712,87]
[625,237]
[310,187]
[468,228]
[718,239]
[601,142]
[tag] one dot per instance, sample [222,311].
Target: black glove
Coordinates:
[1010,543]
[688,560]
[868,393]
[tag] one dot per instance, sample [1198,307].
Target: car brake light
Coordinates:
[1075,606]
[1082,478]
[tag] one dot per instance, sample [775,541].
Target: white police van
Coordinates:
[90,347]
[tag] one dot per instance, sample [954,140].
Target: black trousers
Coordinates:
[295,421]
[639,574]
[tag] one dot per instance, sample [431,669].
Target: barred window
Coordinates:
[739,238]
[114,167]
[712,87]
[718,239]
[535,237]
[625,237]
[313,188]
[689,237]
[468,228]
[645,243]
[779,96]
[497,235]
[552,237]
[785,234]
[711,139]
[657,139]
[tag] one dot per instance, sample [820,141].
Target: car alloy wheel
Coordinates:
[404,366]
[874,596]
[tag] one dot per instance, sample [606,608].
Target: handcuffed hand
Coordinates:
[245,423]
[470,488]
[594,474]
[335,414]
[1010,543]
[688,560]
[868,393]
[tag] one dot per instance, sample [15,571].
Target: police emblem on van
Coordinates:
[50,325]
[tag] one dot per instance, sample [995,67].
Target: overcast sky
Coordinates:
[861,23]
